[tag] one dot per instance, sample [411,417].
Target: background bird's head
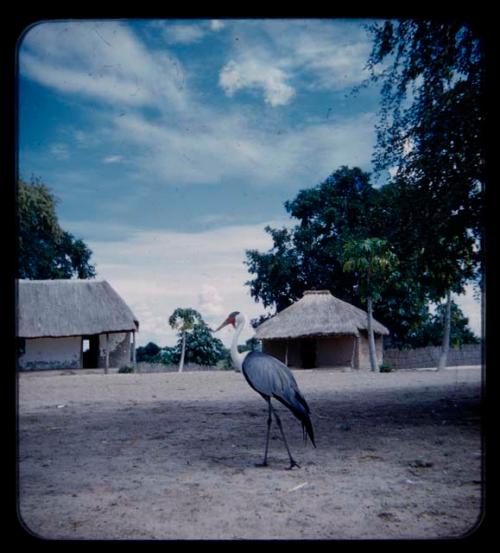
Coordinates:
[232,319]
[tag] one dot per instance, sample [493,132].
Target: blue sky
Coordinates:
[171,144]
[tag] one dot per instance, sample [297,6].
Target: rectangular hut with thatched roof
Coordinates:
[71,324]
[319,331]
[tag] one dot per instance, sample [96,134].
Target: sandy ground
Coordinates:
[171,456]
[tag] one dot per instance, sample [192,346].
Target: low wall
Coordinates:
[144,367]
[417,358]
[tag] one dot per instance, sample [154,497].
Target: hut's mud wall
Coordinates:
[363,357]
[335,351]
[119,350]
[330,351]
[51,353]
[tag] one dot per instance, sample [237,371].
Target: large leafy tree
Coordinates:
[309,255]
[45,250]
[374,263]
[430,135]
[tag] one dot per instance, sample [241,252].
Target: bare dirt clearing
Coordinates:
[171,456]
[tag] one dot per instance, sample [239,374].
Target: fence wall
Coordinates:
[469,354]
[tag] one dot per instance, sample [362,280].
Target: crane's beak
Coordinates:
[221,326]
[226,322]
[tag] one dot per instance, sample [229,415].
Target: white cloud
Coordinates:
[256,74]
[216,25]
[278,56]
[59,151]
[112,159]
[189,142]
[183,34]
[230,147]
[210,301]
[103,60]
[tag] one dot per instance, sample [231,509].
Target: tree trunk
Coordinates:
[371,337]
[183,351]
[446,334]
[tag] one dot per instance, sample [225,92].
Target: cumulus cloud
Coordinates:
[274,56]
[216,25]
[254,74]
[202,270]
[183,34]
[210,301]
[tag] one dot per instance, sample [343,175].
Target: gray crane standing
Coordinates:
[272,379]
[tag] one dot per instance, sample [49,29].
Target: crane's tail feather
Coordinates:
[300,409]
[308,429]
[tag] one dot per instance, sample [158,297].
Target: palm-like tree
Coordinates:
[374,262]
[184,319]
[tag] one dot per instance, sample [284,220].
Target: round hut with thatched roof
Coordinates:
[320,331]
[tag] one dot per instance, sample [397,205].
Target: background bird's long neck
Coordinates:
[236,356]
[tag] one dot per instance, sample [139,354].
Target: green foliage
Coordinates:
[374,263]
[309,256]
[147,353]
[430,332]
[46,251]
[201,347]
[166,356]
[184,318]
[430,131]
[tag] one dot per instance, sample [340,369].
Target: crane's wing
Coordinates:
[272,378]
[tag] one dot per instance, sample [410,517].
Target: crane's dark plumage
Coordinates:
[273,379]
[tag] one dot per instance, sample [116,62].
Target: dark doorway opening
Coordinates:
[308,353]
[90,347]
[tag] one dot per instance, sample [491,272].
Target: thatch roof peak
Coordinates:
[71,307]
[317,313]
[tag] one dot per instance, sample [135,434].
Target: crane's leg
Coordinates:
[293,463]
[269,421]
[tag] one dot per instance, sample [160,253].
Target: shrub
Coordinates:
[386,368]
[126,369]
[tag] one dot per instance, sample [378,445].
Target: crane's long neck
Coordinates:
[236,356]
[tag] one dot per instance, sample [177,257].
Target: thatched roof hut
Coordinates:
[318,313]
[71,308]
[319,330]
[73,323]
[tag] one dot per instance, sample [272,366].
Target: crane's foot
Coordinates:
[293,463]
[263,464]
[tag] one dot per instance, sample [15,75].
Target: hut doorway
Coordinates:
[90,351]
[308,353]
